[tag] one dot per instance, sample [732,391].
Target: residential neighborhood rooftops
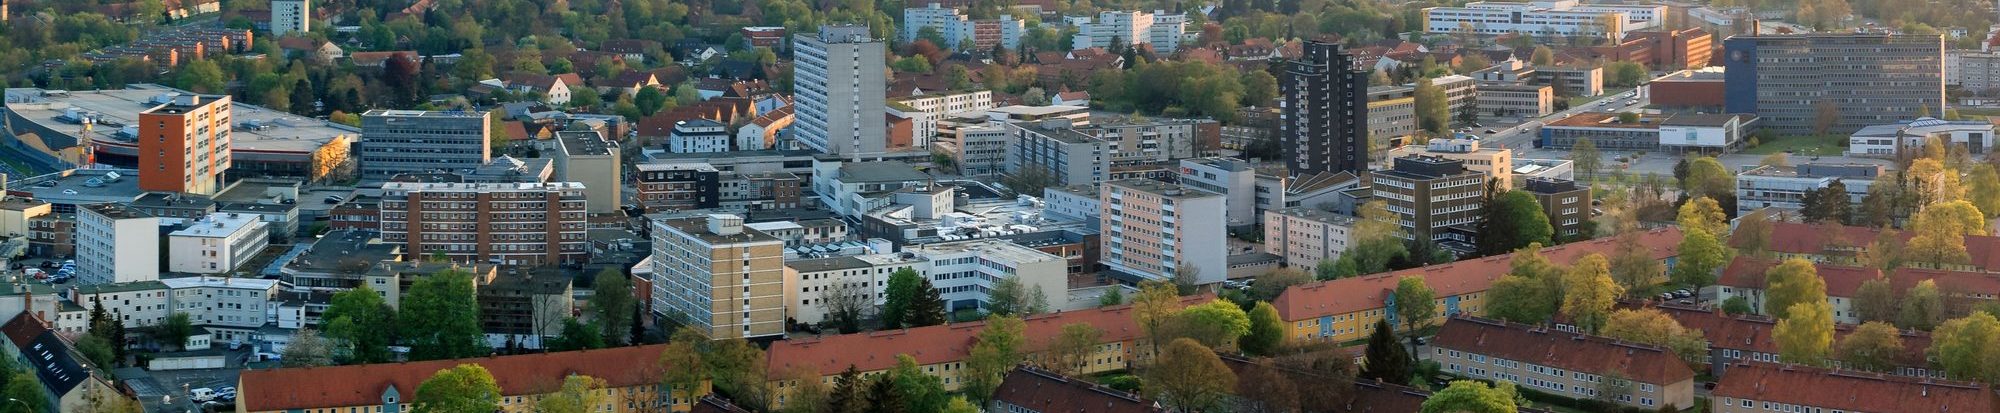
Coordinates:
[874,351]
[1754,382]
[1566,350]
[1045,391]
[365,384]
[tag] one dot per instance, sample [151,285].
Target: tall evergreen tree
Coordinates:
[928,308]
[884,397]
[1385,359]
[848,395]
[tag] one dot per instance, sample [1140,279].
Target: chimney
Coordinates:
[1756,27]
[725,224]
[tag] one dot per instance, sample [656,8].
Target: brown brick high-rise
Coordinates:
[498,223]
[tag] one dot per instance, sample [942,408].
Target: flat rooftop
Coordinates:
[991,248]
[583,143]
[453,114]
[218,282]
[698,228]
[828,264]
[256,129]
[1606,120]
[1024,110]
[343,251]
[1162,189]
[115,211]
[479,186]
[1067,135]
[218,225]
[85,186]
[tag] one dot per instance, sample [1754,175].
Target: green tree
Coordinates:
[1216,324]
[1706,177]
[576,335]
[612,302]
[1588,159]
[1433,109]
[1513,220]
[1415,305]
[1385,359]
[959,405]
[23,385]
[1275,282]
[1702,255]
[1259,88]
[201,76]
[96,352]
[1873,346]
[1520,299]
[578,394]
[1012,297]
[1624,73]
[650,100]
[1589,293]
[1267,331]
[1985,190]
[1875,300]
[1737,306]
[362,324]
[1542,56]
[1828,205]
[1113,296]
[176,329]
[467,388]
[1153,310]
[1805,334]
[1071,350]
[997,351]
[1791,282]
[440,315]
[1467,396]
[900,296]
[919,391]
[1189,377]
[1968,348]
[1923,306]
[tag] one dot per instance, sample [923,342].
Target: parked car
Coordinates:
[1490,131]
[201,395]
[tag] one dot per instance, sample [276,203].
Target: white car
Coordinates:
[201,395]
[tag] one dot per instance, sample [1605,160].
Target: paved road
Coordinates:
[1520,136]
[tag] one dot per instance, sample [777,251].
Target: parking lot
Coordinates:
[153,387]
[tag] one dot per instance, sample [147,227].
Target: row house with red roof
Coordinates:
[1565,363]
[1754,387]
[1737,339]
[1744,277]
[1346,309]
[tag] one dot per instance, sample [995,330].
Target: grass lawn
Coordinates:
[1800,145]
[1978,111]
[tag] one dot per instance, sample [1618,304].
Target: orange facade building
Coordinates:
[184,145]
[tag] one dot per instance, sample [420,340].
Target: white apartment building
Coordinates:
[925,110]
[1075,202]
[1975,71]
[1075,158]
[115,244]
[134,304]
[1305,236]
[289,16]
[1234,178]
[1785,187]
[1542,18]
[841,84]
[1151,229]
[217,243]
[1168,31]
[979,150]
[1128,28]
[852,189]
[956,28]
[230,308]
[698,136]
[963,272]
[1892,139]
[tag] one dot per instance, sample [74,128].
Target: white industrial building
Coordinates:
[1892,139]
[1785,187]
[963,272]
[217,243]
[1131,28]
[1542,18]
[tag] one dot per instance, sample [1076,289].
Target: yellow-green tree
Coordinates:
[578,394]
[1703,214]
[1923,306]
[1589,292]
[1873,347]
[1216,324]
[1968,348]
[466,388]
[1189,377]
[1267,331]
[1072,349]
[1651,326]
[1152,309]
[1805,334]
[1934,182]
[1940,232]
[1467,396]
[1985,190]
[1791,282]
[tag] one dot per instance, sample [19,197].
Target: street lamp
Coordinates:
[24,405]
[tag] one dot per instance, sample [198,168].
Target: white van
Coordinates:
[201,395]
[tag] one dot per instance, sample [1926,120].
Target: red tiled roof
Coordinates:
[1801,238]
[363,385]
[1044,391]
[1841,281]
[1566,350]
[1850,391]
[1347,295]
[629,46]
[1956,282]
[773,116]
[379,58]
[875,351]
